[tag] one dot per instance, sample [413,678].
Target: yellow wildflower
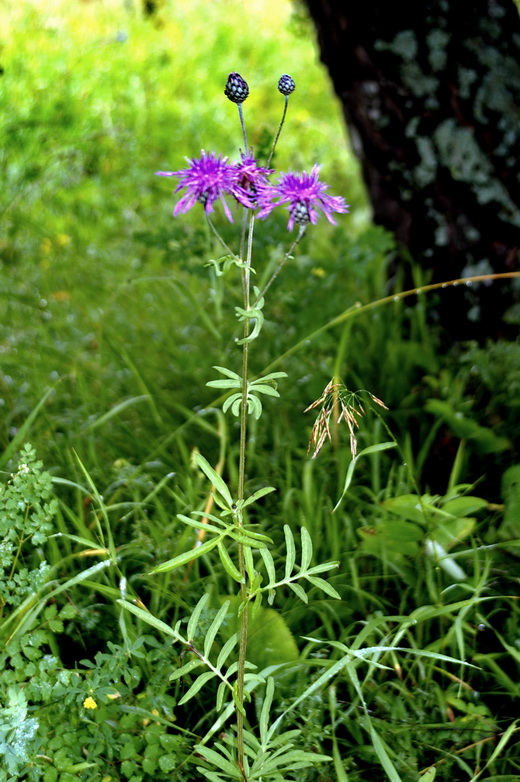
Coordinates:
[89,703]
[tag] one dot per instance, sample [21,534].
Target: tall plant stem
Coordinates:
[242,123]
[242,648]
[281,263]
[275,142]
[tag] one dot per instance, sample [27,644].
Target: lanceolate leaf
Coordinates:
[306,549]
[266,710]
[199,524]
[197,685]
[185,669]
[262,389]
[269,565]
[215,478]
[290,555]
[217,760]
[324,585]
[229,565]
[183,559]
[226,650]
[228,373]
[254,406]
[352,465]
[257,495]
[150,619]
[299,591]
[232,400]
[195,616]
[214,628]
[223,384]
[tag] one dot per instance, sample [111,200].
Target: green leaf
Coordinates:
[227,562]
[383,756]
[232,401]
[464,506]
[200,524]
[215,478]
[450,532]
[322,568]
[223,384]
[352,465]
[290,555]
[186,669]
[197,685]
[261,389]
[258,316]
[249,563]
[183,559]
[257,495]
[266,710]
[228,373]
[254,406]
[217,760]
[222,691]
[150,619]
[115,410]
[226,650]
[195,616]
[324,586]
[299,591]
[269,565]
[306,549]
[214,628]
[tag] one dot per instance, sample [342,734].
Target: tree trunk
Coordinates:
[431,96]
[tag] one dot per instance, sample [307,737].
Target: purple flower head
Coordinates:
[206,180]
[304,194]
[251,177]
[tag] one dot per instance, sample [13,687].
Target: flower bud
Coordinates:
[236,88]
[286,85]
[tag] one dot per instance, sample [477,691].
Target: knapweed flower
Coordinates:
[304,194]
[250,176]
[206,180]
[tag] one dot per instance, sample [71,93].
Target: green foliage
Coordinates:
[26,513]
[108,328]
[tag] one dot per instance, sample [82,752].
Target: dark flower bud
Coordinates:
[236,88]
[286,85]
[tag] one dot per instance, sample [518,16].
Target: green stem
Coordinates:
[279,130]
[220,239]
[242,648]
[242,123]
[281,263]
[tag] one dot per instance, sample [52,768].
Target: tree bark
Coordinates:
[431,96]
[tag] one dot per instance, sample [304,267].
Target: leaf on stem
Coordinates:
[215,627]
[195,616]
[215,478]
[183,559]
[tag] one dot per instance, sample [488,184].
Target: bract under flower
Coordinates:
[304,194]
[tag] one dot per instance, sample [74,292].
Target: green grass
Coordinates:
[110,326]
